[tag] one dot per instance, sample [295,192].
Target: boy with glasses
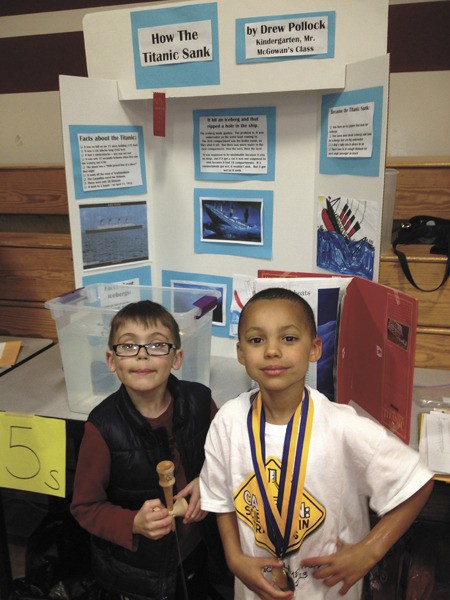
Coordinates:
[152,417]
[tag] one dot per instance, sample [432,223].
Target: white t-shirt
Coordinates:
[352,461]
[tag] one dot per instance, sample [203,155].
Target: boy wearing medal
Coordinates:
[291,474]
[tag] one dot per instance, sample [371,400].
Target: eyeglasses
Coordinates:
[152,349]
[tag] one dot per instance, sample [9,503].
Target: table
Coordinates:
[38,387]
[29,348]
[426,381]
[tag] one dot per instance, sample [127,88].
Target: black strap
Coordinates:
[405,267]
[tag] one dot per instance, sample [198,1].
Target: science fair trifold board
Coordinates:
[273,154]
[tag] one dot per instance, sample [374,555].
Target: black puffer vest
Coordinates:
[135,450]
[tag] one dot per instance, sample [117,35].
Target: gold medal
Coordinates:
[282,578]
[279,518]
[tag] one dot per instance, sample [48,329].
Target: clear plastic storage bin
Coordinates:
[83,319]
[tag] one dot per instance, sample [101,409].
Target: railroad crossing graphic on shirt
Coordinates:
[312,513]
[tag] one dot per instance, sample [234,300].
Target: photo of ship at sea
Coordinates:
[236,221]
[113,233]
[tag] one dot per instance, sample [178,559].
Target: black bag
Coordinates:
[424,230]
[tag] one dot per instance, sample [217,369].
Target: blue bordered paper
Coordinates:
[285,38]
[113,233]
[79,167]
[135,276]
[248,126]
[231,238]
[368,166]
[181,72]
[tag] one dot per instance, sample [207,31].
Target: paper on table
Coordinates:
[9,351]
[423,441]
[435,441]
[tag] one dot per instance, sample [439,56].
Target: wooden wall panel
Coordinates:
[38,190]
[423,187]
[434,307]
[27,320]
[35,265]
[432,349]
[35,274]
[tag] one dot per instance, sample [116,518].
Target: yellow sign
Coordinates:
[33,454]
[312,513]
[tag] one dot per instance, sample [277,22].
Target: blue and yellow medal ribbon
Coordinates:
[278,518]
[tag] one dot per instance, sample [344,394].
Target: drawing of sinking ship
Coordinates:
[228,225]
[337,248]
[343,222]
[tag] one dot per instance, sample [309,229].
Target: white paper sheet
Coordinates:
[434,444]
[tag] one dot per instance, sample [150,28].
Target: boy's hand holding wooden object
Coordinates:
[165,470]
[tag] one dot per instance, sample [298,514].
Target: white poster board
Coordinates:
[278,201]
[108,179]
[356,30]
[350,179]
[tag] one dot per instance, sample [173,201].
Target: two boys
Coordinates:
[288,473]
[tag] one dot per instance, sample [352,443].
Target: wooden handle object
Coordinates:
[165,470]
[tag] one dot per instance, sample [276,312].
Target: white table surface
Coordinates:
[428,384]
[38,386]
[28,347]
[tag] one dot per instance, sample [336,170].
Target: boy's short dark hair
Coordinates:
[144,312]
[278,293]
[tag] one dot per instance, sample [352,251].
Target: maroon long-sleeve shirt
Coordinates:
[90,504]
